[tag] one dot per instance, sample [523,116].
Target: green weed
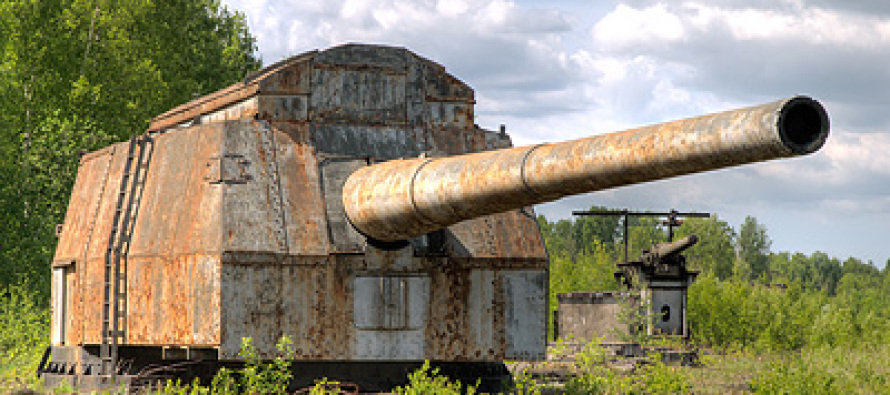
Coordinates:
[24,335]
[427,381]
[652,376]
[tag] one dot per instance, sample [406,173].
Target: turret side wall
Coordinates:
[385,306]
[170,289]
[69,263]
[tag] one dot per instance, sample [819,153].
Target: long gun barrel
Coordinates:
[400,199]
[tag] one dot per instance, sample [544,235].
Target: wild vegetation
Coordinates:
[76,75]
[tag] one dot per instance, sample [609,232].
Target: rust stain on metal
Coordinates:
[174,302]
[301,191]
[292,79]
[308,302]
[82,207]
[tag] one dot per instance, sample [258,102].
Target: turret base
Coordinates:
[78,367]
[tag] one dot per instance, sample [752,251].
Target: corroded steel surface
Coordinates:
[400,199]
[301,190]
[174,302]
[275,79]
[82,207]
[464,309]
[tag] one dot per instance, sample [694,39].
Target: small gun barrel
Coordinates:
[400,199]
[667,249]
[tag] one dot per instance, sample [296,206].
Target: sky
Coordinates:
[564,69]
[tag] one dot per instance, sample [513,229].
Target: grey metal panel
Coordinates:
[525,314]
[415,98]
[481,311]
[389,345]
[451,114]
[389,315]
[284,107]
[343,236]
[497,140]
[301,189]
[442,86]
[254,217]
[366,96]
[669,301]
[585,316]
[307,299]
[392,58]
[381,143]
[250,307]
[391,302]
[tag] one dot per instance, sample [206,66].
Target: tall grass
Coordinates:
[827,370]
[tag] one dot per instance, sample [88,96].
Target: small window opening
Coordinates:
[665,313]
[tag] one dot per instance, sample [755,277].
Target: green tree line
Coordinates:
[77,75]
[722,252]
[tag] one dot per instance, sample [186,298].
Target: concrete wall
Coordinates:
[584,316]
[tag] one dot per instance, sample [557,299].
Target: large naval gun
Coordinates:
[346,200]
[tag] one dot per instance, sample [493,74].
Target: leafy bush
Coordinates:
[740,314]
[260,377]
[594,376]
[425,381]
[525,384]
[24,335]
[256,377]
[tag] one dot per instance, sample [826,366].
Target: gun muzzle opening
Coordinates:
[803,125]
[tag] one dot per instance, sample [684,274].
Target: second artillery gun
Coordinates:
[346,200]
[661,276]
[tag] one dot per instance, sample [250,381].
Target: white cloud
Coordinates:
[629,26]
[451,8]
[810,25]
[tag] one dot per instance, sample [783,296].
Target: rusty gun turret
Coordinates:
[400,199]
